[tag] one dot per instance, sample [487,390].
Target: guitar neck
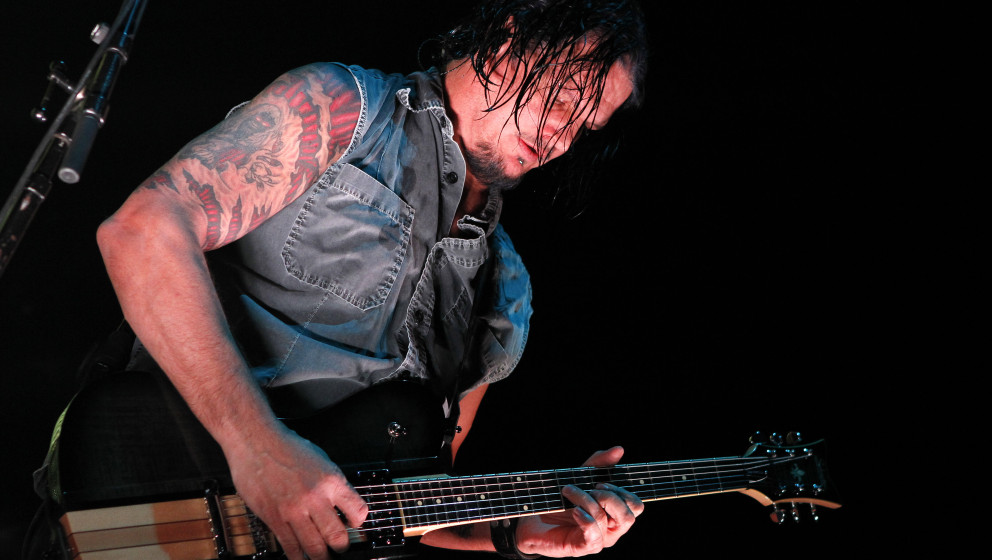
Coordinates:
[429,503]
[409,507]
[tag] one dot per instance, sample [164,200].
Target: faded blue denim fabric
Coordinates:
[357,281]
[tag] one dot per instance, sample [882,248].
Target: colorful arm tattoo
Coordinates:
[278,144]
[301,104]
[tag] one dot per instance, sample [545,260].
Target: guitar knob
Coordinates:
[395,430]
[775,439]
[757,437]
[793,438]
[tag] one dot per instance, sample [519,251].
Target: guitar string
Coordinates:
[518,499]
[502,486]
[470,510]
[529,487]
[514,480]
[702,486]
[586,475]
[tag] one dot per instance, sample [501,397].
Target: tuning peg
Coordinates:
[794,438]
[814,515]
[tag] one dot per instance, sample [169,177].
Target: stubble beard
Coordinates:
[488,168]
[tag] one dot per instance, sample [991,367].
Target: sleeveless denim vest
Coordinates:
[357,281]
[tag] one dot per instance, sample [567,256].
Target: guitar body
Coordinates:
[130,438]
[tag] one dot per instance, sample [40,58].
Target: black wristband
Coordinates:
[504,534]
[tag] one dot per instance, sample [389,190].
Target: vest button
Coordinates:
[451,177]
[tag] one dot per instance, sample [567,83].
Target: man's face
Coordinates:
[500,148]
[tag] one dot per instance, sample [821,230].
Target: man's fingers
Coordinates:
[287,540]
[605,458]
[307,534]
[306,529]
[353,508]
[333,532]
[587,503]
[603,514]
[627,500]
[340,507]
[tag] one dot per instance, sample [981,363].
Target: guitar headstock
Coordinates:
[792,477]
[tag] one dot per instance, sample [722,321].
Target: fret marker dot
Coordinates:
[459,498]
[641,481]
[526,508]
[420,502]
[482,496]
[437,501]
[519,479]
[684,477]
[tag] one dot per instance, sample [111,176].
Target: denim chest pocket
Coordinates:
[350,238]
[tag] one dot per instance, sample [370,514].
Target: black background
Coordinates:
[747,265]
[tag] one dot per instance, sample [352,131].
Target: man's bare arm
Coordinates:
[218,188]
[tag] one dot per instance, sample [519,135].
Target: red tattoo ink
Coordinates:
[306,167]
[211,207]
[234,226]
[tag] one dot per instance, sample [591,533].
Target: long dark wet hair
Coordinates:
[550,43]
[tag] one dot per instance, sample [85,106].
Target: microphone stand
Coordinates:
[61,153]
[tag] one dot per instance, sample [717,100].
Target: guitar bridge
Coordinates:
[211,496]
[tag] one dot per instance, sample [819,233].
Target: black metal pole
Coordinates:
[63,154]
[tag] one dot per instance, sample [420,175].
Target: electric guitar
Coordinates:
[138,477]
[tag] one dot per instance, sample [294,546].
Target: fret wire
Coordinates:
[433,510]
[529,487]
[448,499]
[558,476]
[511,489]
[495,488]
[716,470]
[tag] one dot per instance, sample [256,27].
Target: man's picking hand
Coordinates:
[298,492]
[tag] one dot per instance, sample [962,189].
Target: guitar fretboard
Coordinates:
[437,501]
